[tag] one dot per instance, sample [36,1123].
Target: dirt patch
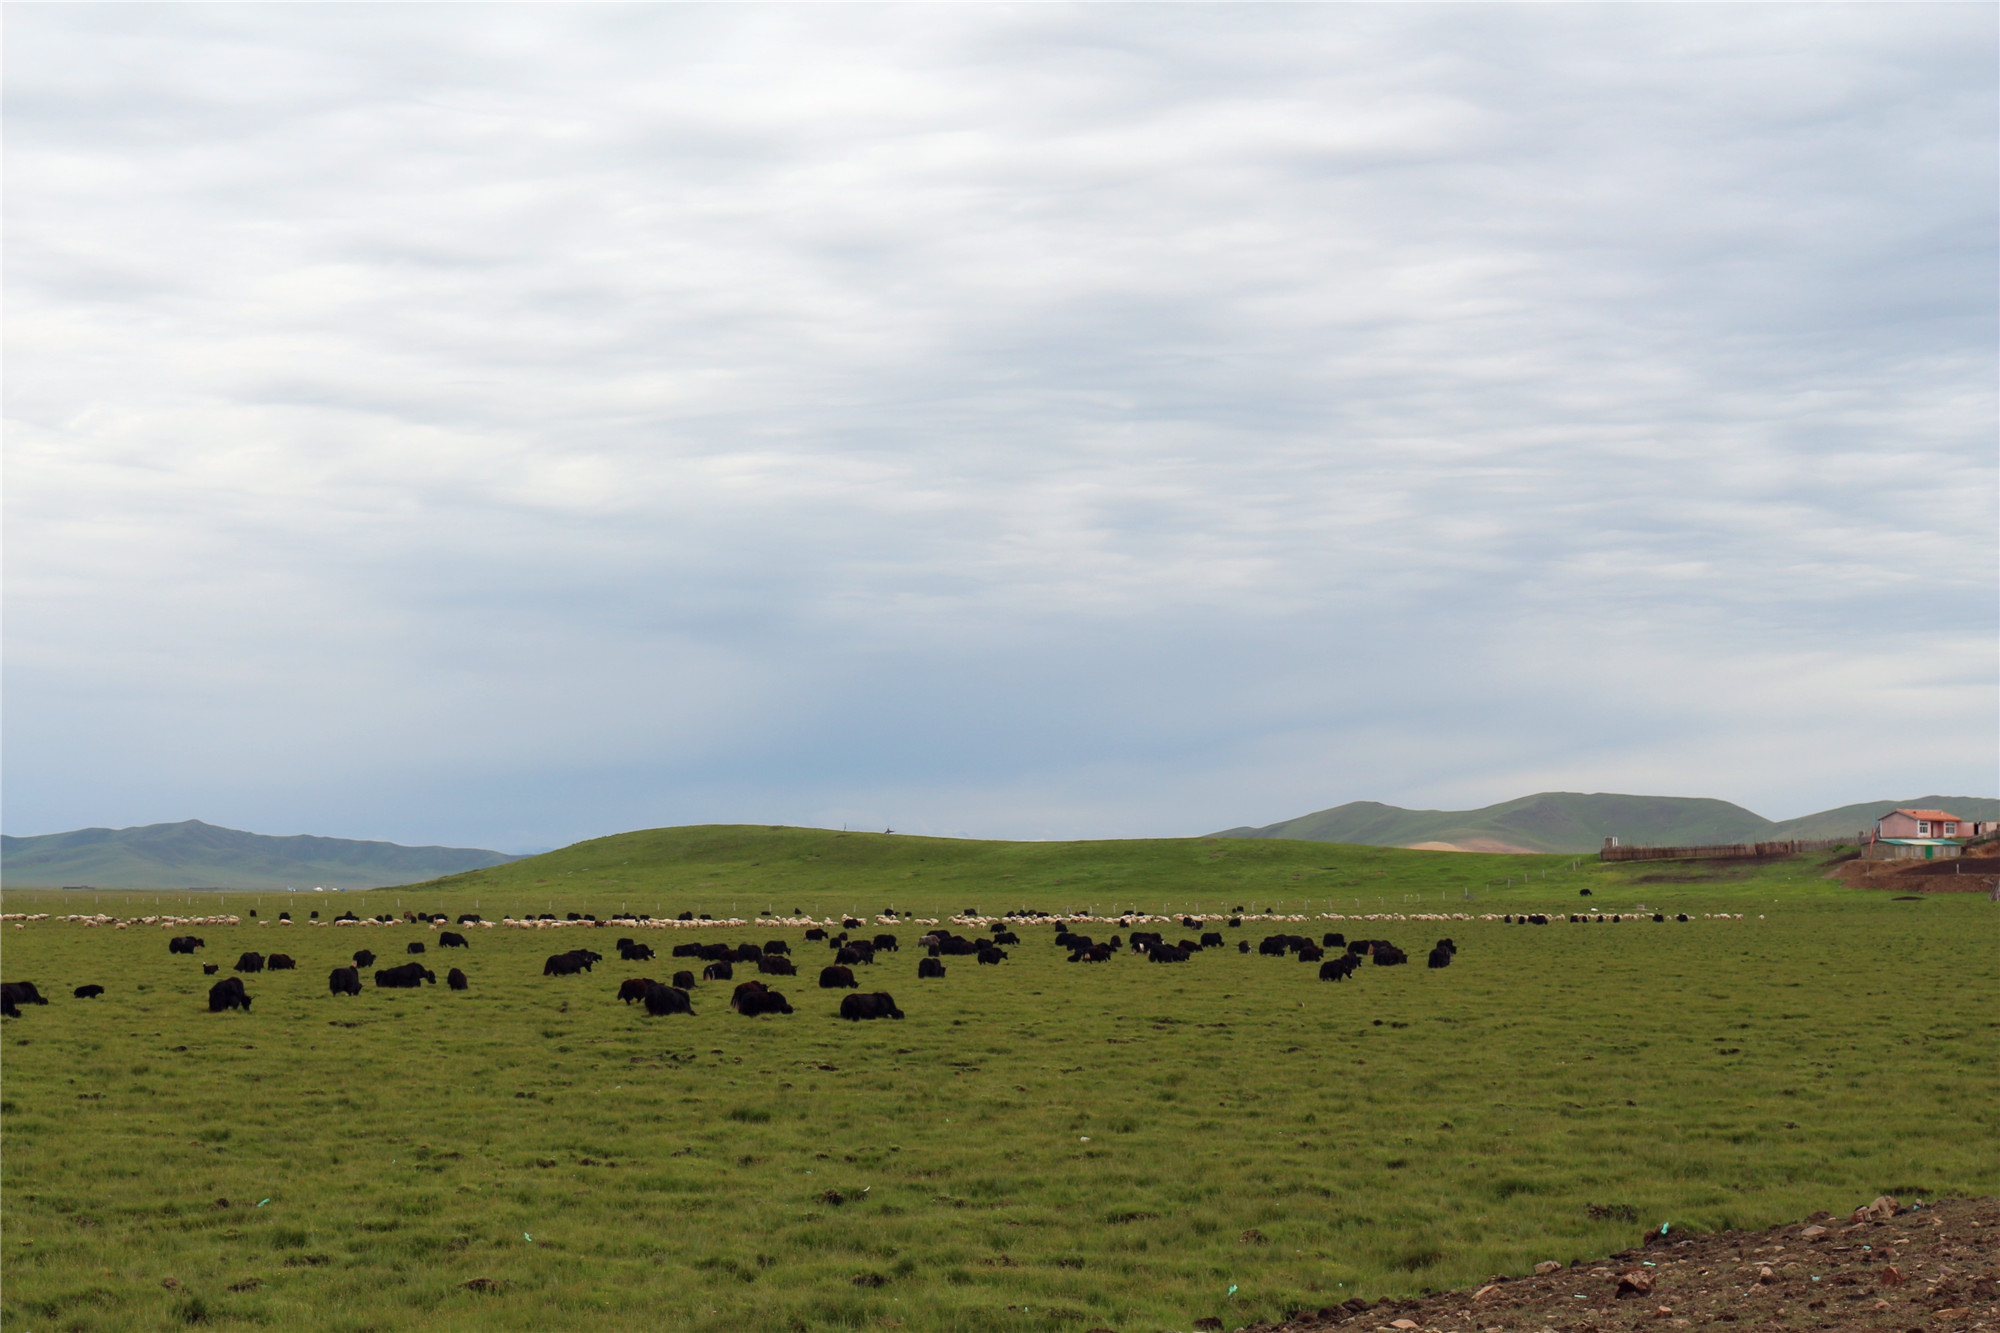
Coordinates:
[1473,845]
[1952,875]
[1933,1266]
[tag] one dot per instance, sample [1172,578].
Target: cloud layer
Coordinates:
[507,426]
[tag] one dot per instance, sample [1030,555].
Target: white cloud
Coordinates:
[513,425]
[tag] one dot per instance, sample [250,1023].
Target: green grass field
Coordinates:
[1038,1145]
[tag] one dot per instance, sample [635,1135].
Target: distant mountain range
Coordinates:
[194,855]
[1564,821]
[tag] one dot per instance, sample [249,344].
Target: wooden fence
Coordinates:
[1727,851]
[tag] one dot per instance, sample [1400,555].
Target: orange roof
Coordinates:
[1927,814]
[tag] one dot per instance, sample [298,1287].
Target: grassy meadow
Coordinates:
[1039,1145]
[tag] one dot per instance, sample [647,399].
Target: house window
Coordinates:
[1923,828]
[1950,830]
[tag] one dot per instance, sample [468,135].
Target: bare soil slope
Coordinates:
[1927,1267]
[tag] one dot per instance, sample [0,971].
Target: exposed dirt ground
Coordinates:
[1959,874]
[1926,1269]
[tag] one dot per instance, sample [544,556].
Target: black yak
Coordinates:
[228,993]
[878,1005]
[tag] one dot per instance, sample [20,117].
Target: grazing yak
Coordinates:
[747,953]
[210,969]
[409,976]
[250,962]
[1440,957]
[881,1004]
[571,963]
[364,958]
[887,944]
[344,981]
[87,992]
[926,967]
[1333,939]
[815,934]
[1340,968]
[1211,939]
[635,953]
[718,972]
[14,994]
[835,978]
[684,980]
[451,939]
[776,946]
[750,1003]
[456,979]
[228,993]
[772,965]
[663,1000]
[992,957]
[849,955]
[414,946]
[280,962]
[185,944]
[634,988]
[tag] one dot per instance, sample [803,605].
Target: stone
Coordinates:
[1765,1276]
[1546,1267]
[1404,1323]
[1892,1276]
[1485,1291]
[1812,1233]
[1638,1282]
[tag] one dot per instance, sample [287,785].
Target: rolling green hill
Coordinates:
[726,870]
[192,854]
[1847,818]
[1576,822]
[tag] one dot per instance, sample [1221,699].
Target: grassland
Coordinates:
[1037,1146]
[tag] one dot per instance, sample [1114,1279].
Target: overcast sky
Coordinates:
[507,426]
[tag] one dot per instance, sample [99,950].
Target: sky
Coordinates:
[502,427]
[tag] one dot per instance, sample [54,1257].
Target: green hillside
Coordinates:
[1848,818]
[1546,822]
[734,869]
[197,855]
[1576,822]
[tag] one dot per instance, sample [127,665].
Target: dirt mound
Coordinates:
[1927,1266]
[1473,845]
[1951,875]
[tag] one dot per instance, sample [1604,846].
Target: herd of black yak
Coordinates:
[1338,958]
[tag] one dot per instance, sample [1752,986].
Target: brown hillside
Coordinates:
[1926,1267]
